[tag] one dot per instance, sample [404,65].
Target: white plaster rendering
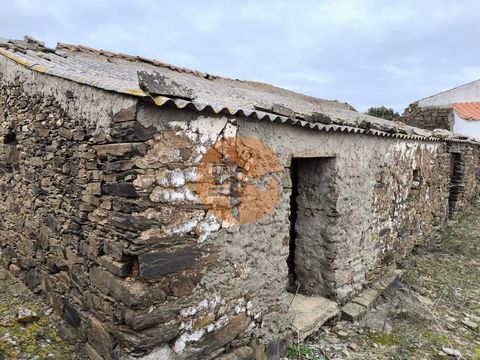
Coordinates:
[466,127]
[464,93]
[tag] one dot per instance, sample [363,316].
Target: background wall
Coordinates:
[378,200]
[463,93]
[465,127]
[429,118]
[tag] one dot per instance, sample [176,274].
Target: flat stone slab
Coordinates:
[311,312]
[359,305]
[388,279]
[469,323]
[352,311]
[367,297]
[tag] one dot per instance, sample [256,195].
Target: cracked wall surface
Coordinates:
[167,231]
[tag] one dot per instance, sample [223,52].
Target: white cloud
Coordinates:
[376,52]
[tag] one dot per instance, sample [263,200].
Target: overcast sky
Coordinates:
[365,52]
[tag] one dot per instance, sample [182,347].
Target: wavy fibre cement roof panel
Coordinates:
[165,84]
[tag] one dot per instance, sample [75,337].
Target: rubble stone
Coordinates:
[366,298]
[470,323]
[353,311]
[100,338]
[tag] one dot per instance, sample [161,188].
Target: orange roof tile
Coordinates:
[468,110]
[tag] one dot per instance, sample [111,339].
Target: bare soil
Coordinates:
[29,329]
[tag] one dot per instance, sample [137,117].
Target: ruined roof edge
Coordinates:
[383,129]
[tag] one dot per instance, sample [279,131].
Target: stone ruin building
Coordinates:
[167,213]
[456,110]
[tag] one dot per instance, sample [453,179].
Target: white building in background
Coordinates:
[466,120]
[457,110]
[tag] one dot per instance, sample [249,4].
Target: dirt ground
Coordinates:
[433,313]
[29,329]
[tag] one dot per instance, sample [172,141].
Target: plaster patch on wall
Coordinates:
[236,178]
[186,142]
[216,314]
[181,342]
[239,179]
[206,227]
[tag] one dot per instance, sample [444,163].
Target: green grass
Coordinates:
[299,351]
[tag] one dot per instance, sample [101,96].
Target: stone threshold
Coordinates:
[310,313]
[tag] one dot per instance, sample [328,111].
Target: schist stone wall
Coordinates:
[428,117]
[164,230]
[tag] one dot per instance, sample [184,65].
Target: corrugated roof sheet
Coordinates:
[468,110]
[168,85]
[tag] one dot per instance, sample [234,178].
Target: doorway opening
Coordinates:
[312,214]
[11,152]
[457,172]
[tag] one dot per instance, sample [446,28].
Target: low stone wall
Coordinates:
[429,118]
[154,229]
[465,187]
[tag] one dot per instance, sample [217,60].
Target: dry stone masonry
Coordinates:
[429,117]
[155,224]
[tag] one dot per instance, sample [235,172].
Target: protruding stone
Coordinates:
[367,298]
[99,337]
[132,131]
[128,114]
[119,268]
[15,269]
[353,311]
[26,315]
[219,337]
[144,319]
[119,189]
[451,351]
[144,181]
[158,263]
[470,323]
[146,339]
[120,149]
[128,292]
[71,315]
